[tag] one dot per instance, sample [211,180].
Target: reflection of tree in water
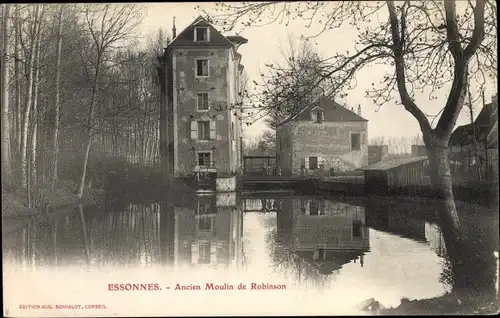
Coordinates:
[127,237]
[130,237]
[291,265]
[477,273]
[446,276]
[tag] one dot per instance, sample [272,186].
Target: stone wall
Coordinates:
[331,143]
[186,85]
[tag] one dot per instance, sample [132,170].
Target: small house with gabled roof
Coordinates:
[322,138]
[482,134]
[200,126]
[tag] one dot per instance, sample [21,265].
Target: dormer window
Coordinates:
[201,34]
[319,117]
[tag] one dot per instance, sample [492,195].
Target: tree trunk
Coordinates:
[441,179]
[4,91]
[17,71]
[34,113]
[81,187]
[27,104]
[55,144]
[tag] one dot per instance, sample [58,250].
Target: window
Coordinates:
[314,208]
[356,228]
[204,159]
[201,34]
[319,254]
[202,101]
[205,208]
[355,141]
[203,130]
[205,223]
[202,68]
[204,253]
[313,163]
[319,117]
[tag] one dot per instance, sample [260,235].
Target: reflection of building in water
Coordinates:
[401,219]
[326,234]
[392,218]
[209,232]
[435,238]
[259,205]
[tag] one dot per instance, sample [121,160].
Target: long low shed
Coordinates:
[396,174]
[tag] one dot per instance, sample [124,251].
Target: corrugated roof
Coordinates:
[393,163]
[333,112]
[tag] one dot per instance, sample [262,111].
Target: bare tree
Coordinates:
[36,85]
[57,80]
[4,92]
[378,141]
[426,45]
[289,81]
[28,98]
[107,25]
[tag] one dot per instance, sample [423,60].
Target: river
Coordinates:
[330,252]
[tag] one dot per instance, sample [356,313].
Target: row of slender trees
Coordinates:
[75,83]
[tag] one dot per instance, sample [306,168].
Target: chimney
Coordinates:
[174,30]
[359,110]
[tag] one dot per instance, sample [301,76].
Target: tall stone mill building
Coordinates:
[199,118]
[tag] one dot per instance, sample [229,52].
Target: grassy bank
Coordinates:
[44,200]
[448,304]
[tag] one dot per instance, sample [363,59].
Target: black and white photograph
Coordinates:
[296,158]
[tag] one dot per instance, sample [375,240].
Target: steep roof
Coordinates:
[484,122]
[333,112]
[186,37]
[334,260]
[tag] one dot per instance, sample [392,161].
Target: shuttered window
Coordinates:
[213,134]
[202,101]
[203,130]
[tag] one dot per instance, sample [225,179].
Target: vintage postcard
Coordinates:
[249,158]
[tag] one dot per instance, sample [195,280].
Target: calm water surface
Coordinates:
[358,248]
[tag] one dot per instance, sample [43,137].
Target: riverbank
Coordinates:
[44,200]
[448,304]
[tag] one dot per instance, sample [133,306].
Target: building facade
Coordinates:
[322,138]
[474,147]
[209,233]
[200,101]
[325,234]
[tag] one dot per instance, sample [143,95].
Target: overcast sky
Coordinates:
[264,46]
